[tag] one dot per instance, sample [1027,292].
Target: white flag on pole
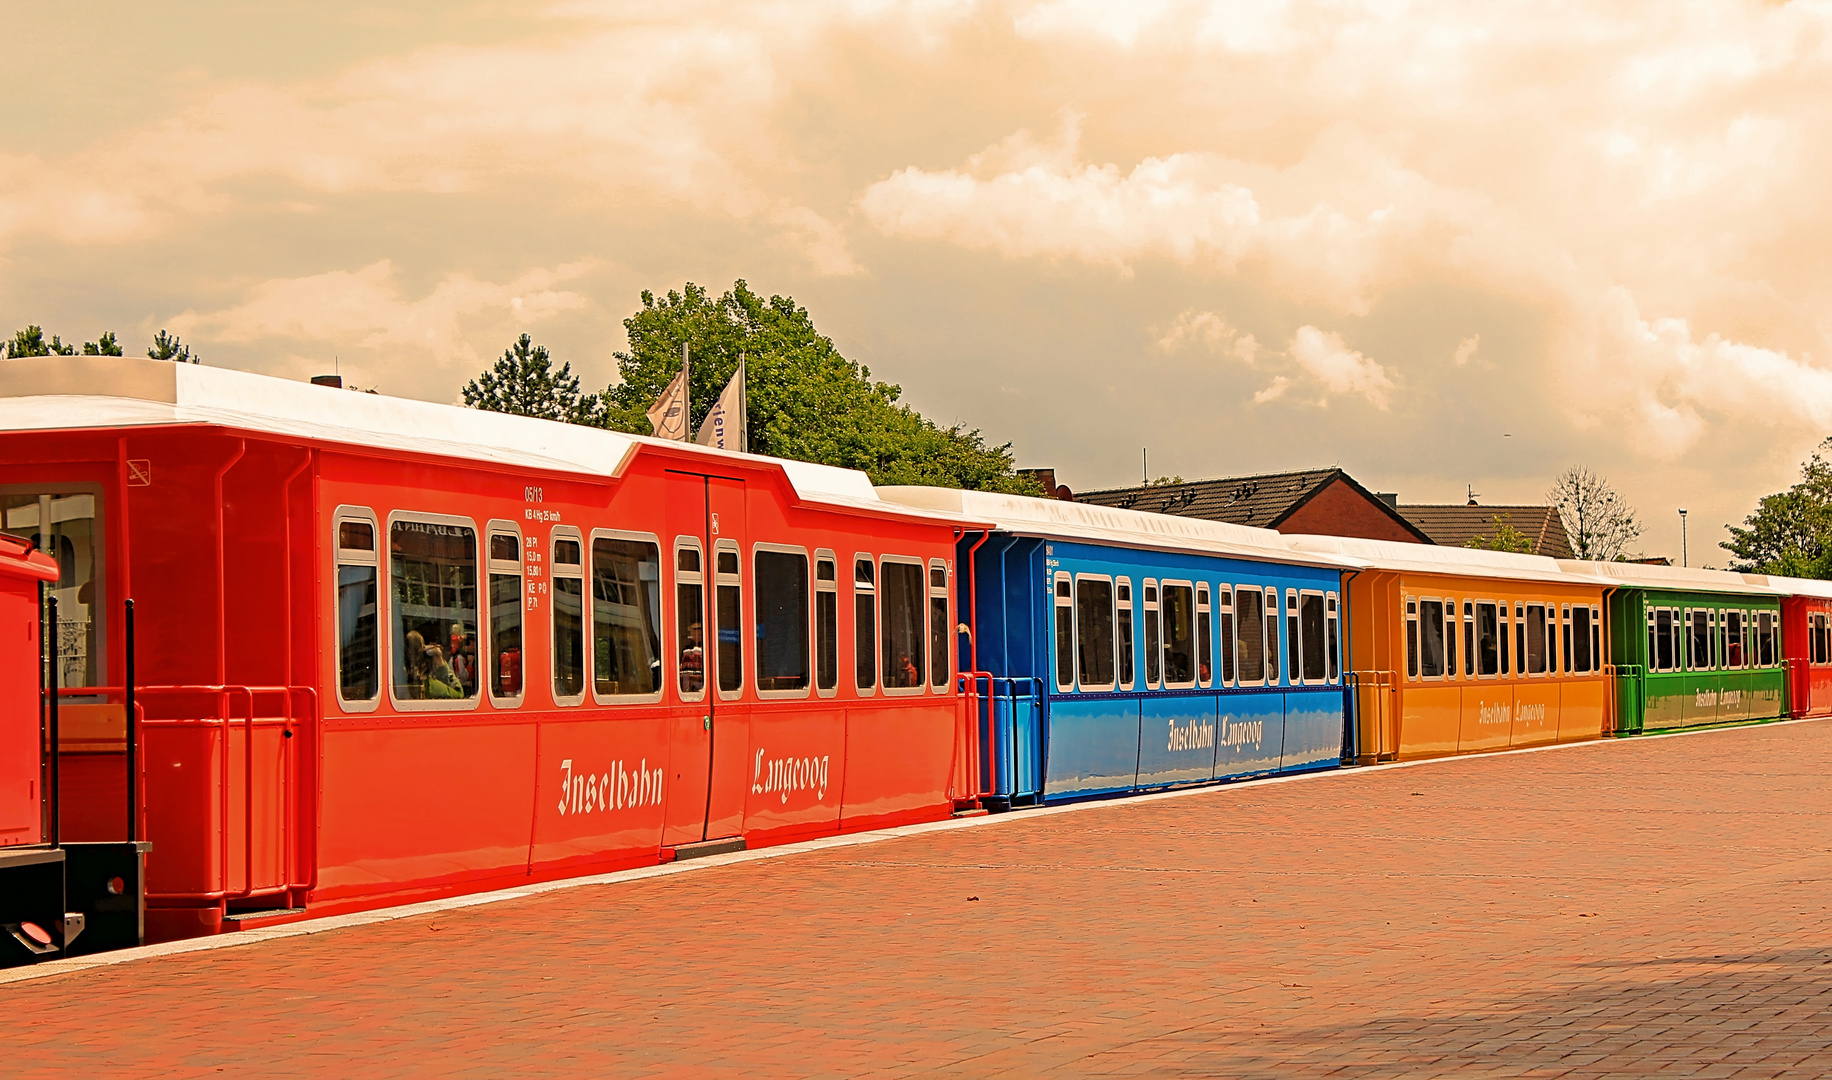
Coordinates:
[723,427]
[669,416]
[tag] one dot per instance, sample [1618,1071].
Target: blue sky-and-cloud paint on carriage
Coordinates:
[1126,652]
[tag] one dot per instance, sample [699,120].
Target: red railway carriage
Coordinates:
[1806,641]
[393,650]
[22,572]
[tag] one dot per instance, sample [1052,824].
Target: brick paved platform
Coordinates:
[1648,907]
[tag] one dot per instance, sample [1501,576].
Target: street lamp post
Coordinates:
[1682,538]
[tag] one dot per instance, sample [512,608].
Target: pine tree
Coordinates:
[168,347]
[524,383]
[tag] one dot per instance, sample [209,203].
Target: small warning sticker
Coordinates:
[139,472]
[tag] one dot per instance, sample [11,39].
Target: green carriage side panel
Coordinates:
[1689,695]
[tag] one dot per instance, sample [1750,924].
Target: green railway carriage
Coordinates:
[1691,647]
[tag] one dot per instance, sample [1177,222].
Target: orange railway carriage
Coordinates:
[393,650]
[1455,651]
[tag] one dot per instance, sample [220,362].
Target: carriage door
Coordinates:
[708,736]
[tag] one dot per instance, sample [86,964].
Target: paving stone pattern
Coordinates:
[1650,907]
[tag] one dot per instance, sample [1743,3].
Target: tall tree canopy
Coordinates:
[804,399]
[1599,521]
[31,342]
[1790,532]
[524,382]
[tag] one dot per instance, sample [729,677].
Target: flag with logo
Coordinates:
[723,427]
[668,416]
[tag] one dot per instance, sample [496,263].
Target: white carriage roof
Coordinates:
[1792,586]
[1454,561]
[63,393]
[1644,576]
[1059,520]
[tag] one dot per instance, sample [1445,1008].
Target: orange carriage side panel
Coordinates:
[1428,720]
[1809,685]
[1536,712]
[1488,717]
[897,763]
[796,769]
[21,572]
[1581,704]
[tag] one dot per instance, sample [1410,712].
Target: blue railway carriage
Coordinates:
[1114,651]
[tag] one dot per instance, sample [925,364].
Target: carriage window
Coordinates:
[1700,622]
[781,591]
[626,617]
[1310,633]
[1125,633]
[1765,639]
[434,610]
[1662,630]
[1489,645]
[1431,639]
[1450,639]
[864,625]
[67,528]
[941,627]
[1152,657]
[1094,632]
[826,623]
[568,580]
[1065,634]
[1335,642]
[358,659]
[1565,633]
[1596,639]
[1225,597]
[1205,644]
[1534,641]
[1272,636]
[505,656]
[1520,640]
[1412,639]
[690,617]
[1579,636]
[1251,628]
[1179,635]
[1292,661]
[902,638]
[1733,634]
[728,618]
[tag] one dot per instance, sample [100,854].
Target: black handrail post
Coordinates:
[57,808]
[133,802]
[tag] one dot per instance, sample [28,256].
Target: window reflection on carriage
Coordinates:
[626,617]
[434,614]
[64,526]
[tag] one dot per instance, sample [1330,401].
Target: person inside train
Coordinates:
[693,661]
[441,680]
[414,659]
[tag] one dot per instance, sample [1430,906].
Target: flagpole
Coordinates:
[744,410]
[687,394]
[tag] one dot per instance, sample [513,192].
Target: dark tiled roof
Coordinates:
[1453,524]
[1262,501]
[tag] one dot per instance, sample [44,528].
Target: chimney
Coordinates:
[1046,479]
[335,382]
[1391,498]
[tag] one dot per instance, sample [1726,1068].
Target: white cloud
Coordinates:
[1274,391]
[1194,327]
[1466,349]
[1341,369]
[366,309]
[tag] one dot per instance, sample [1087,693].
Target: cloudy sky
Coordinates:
[1442,245]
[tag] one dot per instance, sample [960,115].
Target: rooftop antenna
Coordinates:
[1144,466]
[1471,488]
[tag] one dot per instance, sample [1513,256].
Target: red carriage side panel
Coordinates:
[1806,641]
[21,572]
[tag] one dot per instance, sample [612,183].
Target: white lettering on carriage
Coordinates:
[1731,697]
[1494,714]
[541,515]
[1533,714]
[1705,699]
[784,776]
[1242,732]
[1197,736]
[617,789]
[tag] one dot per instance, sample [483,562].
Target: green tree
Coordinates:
[1504,538]
[1790,532]
[31,342]
[168,347]
[107,346]
[804,400]
[523,382]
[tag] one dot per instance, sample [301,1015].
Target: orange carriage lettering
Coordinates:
[784,776]
[617,789]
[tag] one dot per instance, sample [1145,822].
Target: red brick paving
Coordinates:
[1654,907]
